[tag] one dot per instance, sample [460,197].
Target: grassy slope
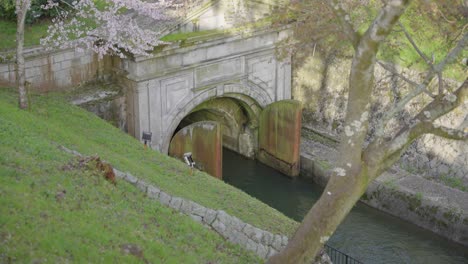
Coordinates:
[95,218]
[32,35]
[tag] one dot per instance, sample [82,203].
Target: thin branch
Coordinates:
[442,105]
[381,151]
[410,39]
[451,56]
[394,72]
[441,83]
[404,78]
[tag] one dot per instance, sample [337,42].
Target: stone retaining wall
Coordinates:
[321,84]
[48,71]
[263,243]
[430,205]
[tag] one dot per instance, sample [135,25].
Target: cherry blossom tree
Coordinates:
[107,26]
[104,26]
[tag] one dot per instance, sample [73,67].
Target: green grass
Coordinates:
[454,182]
[181,36]
[197,35]
[32,34]
[95,218]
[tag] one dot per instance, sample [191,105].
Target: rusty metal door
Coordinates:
[279,136]
[205,141]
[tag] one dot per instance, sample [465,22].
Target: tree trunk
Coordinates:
[350,180]
[22,7]
[321,221]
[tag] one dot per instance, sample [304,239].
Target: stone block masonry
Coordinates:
[263,243]
[51,71]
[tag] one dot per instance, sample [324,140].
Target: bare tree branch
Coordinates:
[451,56]
[448,133]
[411,40]
[442,105]
[404,78]
[441,83]
[388,151]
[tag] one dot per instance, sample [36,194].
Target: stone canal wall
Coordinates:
[428,204]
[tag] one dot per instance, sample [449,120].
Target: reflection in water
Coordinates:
[366,234]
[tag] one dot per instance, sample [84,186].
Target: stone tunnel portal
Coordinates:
[237,118]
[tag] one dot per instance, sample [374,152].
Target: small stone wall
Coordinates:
[49,71]
[263,243]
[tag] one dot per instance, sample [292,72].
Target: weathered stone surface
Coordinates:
[211,69]
[210,216]
[224,217]
[237,237]
[131,179]
[47,71]
[198,210]
[251,245]
[219,226]
[164,198]
[186,206]
[267,238]
[153,192]
[119,174]
[175,203]
[277,243]
[284,241]
[142,186]
[237,224]
[262,250]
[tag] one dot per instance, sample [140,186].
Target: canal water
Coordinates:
[367,235]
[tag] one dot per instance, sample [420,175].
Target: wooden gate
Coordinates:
[205,141]
[279,136]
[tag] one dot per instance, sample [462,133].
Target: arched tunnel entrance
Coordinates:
[238,123]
